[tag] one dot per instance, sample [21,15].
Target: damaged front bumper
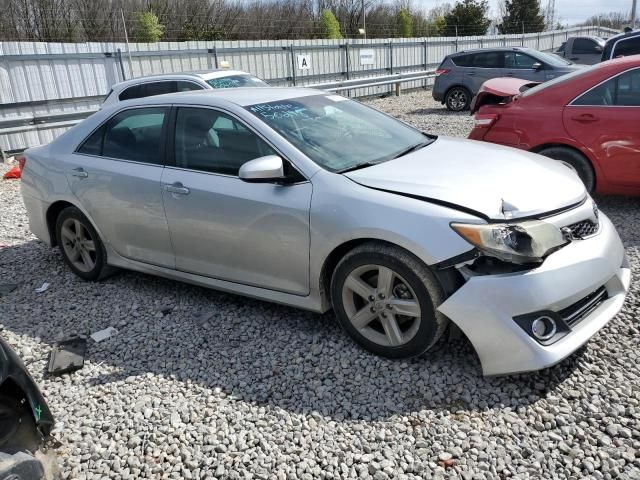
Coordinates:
[16,382]
[486,307]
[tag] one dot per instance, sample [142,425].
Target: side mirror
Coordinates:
[536,66]
[262,170]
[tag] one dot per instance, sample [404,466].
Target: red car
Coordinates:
[588,119]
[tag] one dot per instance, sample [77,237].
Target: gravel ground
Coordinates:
[200,384]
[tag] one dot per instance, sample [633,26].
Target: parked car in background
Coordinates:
[460,75]
[313,200]
[590,120]
[583,50]
[622,45]
[152,85]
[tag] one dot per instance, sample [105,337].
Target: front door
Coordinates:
[521,65]
[116,175]
[222,227]
[606,120]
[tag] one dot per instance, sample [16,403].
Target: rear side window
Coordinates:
[184,86]
[623,90]
[561,49]
[488,60]
[630,46]
[462,60]
[586,46]
[148,90]
[131,92]
[134,134]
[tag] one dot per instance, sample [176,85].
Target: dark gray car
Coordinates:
[461,74]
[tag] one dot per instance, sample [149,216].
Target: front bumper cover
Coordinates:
[485,306]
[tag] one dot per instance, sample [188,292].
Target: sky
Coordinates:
[569,11]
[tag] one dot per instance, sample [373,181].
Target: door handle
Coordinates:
[177,188]
[585,118]
[471,73]
[79,172]
[510,74]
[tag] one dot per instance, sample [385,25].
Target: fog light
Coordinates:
[544,327]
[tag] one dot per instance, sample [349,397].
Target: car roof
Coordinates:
[615,38]
[240,96]
[201,74]
[493,49]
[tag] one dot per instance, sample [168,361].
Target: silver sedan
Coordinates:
[313,200]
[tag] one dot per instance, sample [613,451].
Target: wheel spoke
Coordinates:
[67,233]
[78,227]
[392,330]
[409,308]
[89,246]
[359,286]
[86,258]
[363,317]
[385,281]
[74,254]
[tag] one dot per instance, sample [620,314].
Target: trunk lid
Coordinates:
[492,181]
[500,91]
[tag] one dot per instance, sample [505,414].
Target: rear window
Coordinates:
[629,46]
[586,46]
[236,81]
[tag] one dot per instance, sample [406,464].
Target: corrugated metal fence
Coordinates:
[47,87]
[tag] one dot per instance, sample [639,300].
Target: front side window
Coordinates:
[339,134]
[236,81]
[212,141]
[623,90]
[134,135]
[586,46]
[519,60]
[630,46]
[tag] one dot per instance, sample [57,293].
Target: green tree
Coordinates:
[405,23]
[522,16]
[148,28]
[467,17]
[329,25]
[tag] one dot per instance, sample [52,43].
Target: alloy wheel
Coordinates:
[78,245]
[457,99]
[381,305]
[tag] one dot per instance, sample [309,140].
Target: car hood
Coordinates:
[490,181]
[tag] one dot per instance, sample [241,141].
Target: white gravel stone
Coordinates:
[201,384]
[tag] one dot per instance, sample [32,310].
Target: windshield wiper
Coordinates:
[412,148]
[357,167]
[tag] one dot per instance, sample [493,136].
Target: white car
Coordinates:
[153,85]
[312,200]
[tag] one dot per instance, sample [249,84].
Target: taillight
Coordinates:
[485,120]
[21,161]
[442,71]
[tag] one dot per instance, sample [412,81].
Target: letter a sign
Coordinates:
[303,62]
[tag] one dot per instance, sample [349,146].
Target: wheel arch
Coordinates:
[597,173]
[52,216]
[449,279]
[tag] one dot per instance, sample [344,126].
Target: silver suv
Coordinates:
[460,75]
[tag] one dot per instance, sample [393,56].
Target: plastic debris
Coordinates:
[103,334]
[67,356]
[43,288]
[14,173]
[6,288]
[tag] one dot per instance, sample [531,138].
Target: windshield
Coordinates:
[339,134]
[558,80]
[552,59]
[236,81]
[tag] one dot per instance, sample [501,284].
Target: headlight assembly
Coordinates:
[521,243]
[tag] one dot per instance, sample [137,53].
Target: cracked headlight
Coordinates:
[521,243]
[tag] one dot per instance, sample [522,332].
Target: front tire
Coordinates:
[386,299]
[458,99]
[574,160]
[80,245]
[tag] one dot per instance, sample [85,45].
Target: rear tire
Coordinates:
[18,431]
[457,99]
[574,160]
[395,319]
[80,245]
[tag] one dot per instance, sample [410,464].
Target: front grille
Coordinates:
[583,229]
[573,314]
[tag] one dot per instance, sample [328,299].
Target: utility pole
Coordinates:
[633,13]
[126,38]
[364,19]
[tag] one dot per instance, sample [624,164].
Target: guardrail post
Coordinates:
[119,55]
[215,56]
[3,157]
[398,88]
[293,64]
[346,60]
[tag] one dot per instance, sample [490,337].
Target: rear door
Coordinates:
[521,65]
[605,120]
[585,51]
[115,174]
[484,65]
